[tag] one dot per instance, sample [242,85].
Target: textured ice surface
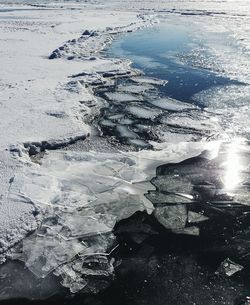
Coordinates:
[125,132]
[229,268]
[143,112]
[172,217]
[81,196]
[193,120]
[171,104]
[18,213]
[121,97]
[151,81]
[136,89]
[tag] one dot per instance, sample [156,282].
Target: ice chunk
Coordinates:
[175,184]
[193,231]
[151,81]
[126,121]
[86,274]
[118,97]
[107,123]
[135,89]
[125,132]
[229,268]
[159,198]
[171,104]
[194,217]
[172,217]
[139,143]
[195,121]
[143,112]
[117,117]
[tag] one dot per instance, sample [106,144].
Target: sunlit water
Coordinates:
[163,51]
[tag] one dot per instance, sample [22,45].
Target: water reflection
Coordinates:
[233,166]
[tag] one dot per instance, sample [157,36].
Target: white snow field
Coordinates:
[50,60]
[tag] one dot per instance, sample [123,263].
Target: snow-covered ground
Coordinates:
[50,60]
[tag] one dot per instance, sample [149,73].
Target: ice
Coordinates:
[224,96]
[194,121]
[151,81]
[229,268]
[58,209]
[81,197]
[117,97]
[126,121]
[44,254]
[135,89]
[89,194]
[172,217]
[194,217]
[171,104]
[191,196]
[139,143]
[125,132]
[143,112]
[18,213]
[107,123]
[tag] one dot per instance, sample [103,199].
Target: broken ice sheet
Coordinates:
[89,194]
[44,254]
[85,195]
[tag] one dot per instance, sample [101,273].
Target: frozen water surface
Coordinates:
[155,203]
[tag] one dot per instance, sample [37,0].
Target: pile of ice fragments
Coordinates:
[81,197]
[77,198]
[136,113]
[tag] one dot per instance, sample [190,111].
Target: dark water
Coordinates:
[160,52]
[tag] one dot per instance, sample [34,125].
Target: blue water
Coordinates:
[157,51]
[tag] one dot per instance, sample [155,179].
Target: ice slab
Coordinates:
[143,112]
[151,81]
[135,89]
[229,268]
[172,217]
[117,97]
[171,104]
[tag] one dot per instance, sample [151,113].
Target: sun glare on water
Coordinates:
[233,166]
